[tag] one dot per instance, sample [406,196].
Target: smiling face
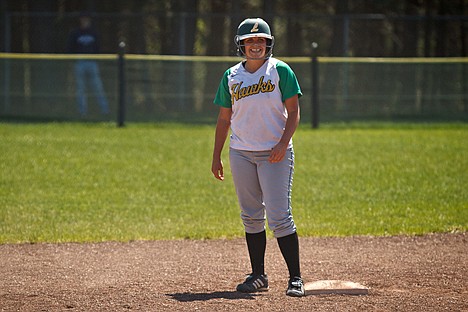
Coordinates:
[255,48]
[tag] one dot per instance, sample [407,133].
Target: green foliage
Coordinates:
[95,182]
[206,27]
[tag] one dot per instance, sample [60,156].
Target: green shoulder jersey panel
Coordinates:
[223,96]
[289,85]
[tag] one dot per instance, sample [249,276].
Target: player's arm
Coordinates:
[292,106]
[222,130]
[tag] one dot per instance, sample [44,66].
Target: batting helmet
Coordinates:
[254,27]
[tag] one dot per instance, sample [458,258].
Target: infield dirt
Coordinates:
[404,273]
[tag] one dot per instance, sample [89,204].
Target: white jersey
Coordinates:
[257,101]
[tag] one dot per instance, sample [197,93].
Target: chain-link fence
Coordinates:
[182,88]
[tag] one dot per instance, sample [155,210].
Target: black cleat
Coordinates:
[295,287]
[253,283]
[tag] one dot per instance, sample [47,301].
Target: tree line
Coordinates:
[379,28]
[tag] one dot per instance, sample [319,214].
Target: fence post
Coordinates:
[122,93]
[315,87]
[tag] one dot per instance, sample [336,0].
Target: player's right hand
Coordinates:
[217,169]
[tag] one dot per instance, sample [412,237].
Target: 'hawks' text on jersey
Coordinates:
[238,91]
[257,103]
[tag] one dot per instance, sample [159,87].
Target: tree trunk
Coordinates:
[190,25]
[294,31]
[441,34]
[428,28]
[338,44]
[410,33]
[42,31]
[463,26]
[215,43]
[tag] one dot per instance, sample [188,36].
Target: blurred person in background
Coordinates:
[84,40]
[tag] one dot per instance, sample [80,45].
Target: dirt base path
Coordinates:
[424,273]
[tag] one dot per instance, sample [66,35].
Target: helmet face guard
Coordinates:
[241,48]
[251,28]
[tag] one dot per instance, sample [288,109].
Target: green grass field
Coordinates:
[95,182]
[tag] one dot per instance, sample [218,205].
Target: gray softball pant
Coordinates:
[264,190]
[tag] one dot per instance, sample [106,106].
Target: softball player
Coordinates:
[258,101]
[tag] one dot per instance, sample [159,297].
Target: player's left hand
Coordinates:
[278,152]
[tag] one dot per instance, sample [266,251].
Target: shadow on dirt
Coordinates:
[189,297]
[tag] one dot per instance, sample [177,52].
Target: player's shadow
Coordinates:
[231,295]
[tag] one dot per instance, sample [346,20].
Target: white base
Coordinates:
[328,287]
